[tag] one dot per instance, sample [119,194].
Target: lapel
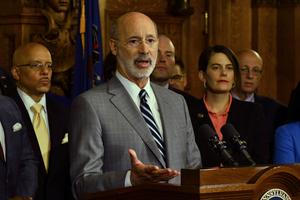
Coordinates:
[125,105]
[30,129]
[54,124]
[203,115]
[167,114]
[7,131]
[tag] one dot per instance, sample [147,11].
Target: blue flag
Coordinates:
[88,69]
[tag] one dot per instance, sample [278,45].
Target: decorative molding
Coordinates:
[274,2]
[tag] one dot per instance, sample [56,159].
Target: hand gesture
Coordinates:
[142,173]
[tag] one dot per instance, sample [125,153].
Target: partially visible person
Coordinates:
[7,84]
[294,105]
[45,118]
[251,69]
[287,136]
[165,61]
[287,144]
[219,72]
[109,66]
[129,131]
[178,76]
[18,164]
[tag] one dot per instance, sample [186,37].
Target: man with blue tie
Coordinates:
[130,115]
[18,165]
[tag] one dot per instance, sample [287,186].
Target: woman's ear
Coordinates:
[201,76]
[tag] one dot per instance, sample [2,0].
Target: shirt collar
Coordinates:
[133,90]
[249,98]
[28,101]
[210,110]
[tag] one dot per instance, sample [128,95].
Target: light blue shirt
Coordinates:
[249,98]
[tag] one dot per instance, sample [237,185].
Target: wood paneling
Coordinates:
[186,32]
[269,26]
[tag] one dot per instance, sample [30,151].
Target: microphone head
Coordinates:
[229,132]
[207,131]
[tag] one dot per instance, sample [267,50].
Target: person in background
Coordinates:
[251,69]
[219,72]
[178,77]
[45,118]
[7,84]
[153,137]
[287,136]
[109,66]
[165,61]
[18,164]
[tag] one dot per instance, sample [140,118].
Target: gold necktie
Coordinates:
[41,132]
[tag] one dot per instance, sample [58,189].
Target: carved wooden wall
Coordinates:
[269,26]
[186,32]
[19,21]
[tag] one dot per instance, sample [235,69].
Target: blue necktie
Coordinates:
[148,117]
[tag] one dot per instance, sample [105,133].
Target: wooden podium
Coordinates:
[224,183]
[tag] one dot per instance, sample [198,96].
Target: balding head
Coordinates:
[251,66]
[32,69]
[249,54]
[165,61]
[134,42]
[127,20]
[23,54]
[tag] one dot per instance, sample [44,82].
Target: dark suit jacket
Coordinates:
[275,112]
[276,115]
[248,120]
[18,174]
[55,184]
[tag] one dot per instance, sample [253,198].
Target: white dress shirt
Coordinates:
[28,102]
[2,140]
[133,90]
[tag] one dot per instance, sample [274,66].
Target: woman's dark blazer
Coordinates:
[248,119]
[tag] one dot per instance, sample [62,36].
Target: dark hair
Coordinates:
[109,65]
[210,51]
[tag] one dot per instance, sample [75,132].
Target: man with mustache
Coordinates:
[129,131]
[32,71]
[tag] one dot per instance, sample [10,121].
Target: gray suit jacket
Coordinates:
[105,123]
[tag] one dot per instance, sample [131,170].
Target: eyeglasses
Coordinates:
[255,71]
[136,41]
[177,77]
[37,65]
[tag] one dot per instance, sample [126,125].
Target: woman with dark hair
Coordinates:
[219,72]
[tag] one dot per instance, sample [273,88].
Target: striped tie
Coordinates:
[148,117]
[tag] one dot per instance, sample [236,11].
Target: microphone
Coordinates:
[217,145]
[231,134]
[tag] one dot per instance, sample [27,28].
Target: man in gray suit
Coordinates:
[107,122]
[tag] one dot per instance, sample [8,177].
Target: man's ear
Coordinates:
[15,73]
[113,46]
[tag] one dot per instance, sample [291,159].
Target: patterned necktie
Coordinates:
[148,117]
[41,132]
